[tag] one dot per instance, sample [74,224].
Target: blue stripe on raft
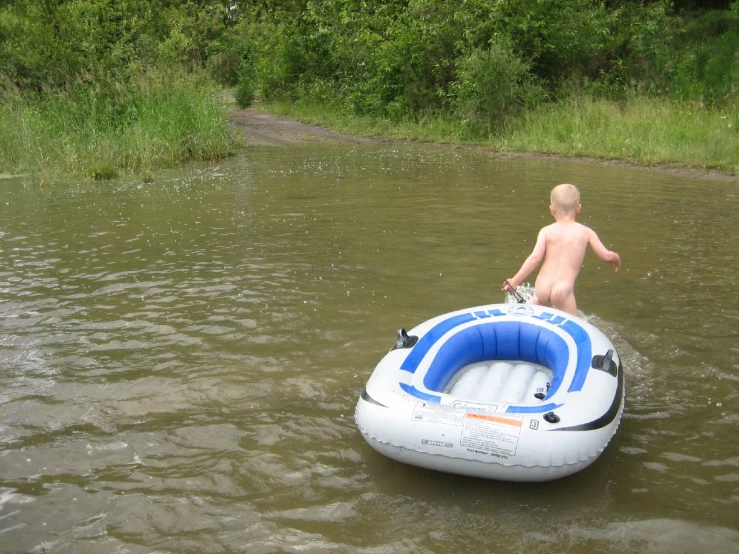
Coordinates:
[584,354]
[582,341]
[413,391]
[429,339]
[545,316]
[422,347]
[533,409]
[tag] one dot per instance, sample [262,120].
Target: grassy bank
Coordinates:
[645,131]
[104,128]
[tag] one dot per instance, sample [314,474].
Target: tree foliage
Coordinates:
[486,59]
[52,43]
[481,59]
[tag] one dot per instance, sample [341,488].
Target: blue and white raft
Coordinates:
[509,392]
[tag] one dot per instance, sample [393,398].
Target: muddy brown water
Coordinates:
[180,361]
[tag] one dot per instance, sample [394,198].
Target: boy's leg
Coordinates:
[542,292]
[563,298]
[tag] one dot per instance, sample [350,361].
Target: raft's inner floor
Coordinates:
[504,381]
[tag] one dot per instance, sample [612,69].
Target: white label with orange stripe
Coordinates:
[496,435]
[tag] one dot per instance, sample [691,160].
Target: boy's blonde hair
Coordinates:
[565,197]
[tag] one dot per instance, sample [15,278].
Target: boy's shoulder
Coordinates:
[564,225]
[569,228]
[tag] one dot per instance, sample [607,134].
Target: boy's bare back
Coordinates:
[562,247]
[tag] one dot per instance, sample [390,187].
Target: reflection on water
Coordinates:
[179,361]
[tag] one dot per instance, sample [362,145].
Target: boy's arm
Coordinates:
[534,259]
[602,252]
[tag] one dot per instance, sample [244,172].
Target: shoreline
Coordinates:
[262,128]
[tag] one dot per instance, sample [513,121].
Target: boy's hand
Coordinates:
[615,263]
[507,287]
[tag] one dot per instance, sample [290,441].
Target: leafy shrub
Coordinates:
[177,47]
[493,84]
[225,67]
[246,89]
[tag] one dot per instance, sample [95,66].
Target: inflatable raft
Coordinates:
[510,392]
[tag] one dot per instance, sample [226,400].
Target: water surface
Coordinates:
[180,361]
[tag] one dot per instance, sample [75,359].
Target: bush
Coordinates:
[493,85]
[225,67]
[247,87]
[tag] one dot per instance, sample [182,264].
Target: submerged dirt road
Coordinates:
[264,129]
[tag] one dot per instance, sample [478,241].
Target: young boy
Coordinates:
[562,245]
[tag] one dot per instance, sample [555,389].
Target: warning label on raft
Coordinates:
[491,434]
[436,413]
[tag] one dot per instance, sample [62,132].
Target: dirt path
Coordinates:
[263,129]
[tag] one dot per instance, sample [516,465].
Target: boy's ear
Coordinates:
[579,207]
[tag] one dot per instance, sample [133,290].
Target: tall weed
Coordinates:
[644,130]
[121,124]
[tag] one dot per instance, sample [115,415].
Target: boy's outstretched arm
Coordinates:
[602,252]
[531,263]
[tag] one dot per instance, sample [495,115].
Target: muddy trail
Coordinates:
[264,129]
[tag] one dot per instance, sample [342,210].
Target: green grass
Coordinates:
[433,128]
[156,119]
[101,130]
[639,130]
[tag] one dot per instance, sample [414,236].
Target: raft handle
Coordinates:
[605,363]
[404,340]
